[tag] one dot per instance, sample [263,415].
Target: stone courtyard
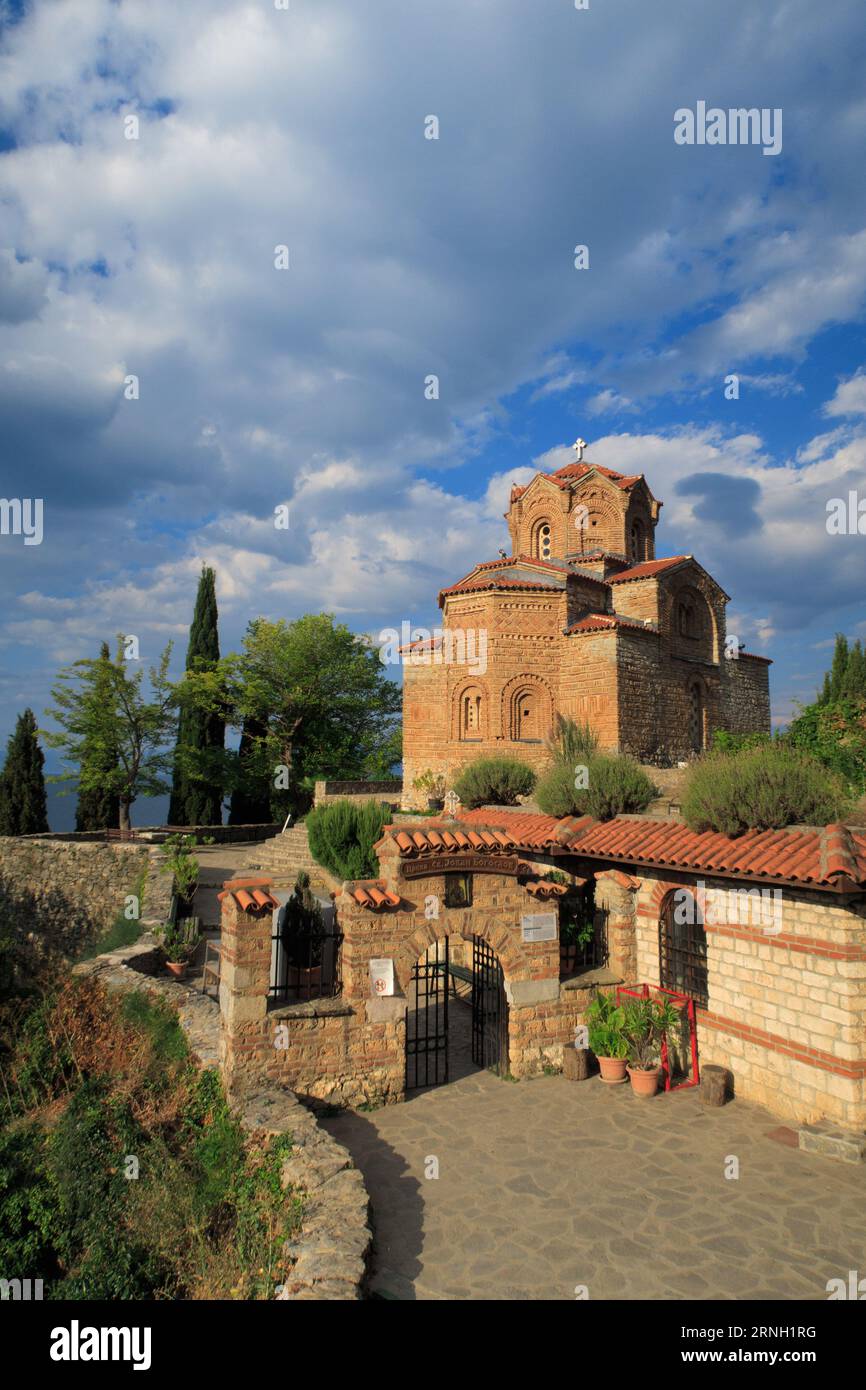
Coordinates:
[546,1185]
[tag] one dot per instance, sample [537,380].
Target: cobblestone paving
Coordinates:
[548,1184]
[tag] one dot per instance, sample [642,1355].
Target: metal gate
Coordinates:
[427,1022]
[489,1009]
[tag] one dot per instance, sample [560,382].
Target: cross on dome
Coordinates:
[579,445]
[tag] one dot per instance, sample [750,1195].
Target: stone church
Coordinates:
[581,619]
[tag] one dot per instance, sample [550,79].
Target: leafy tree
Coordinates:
[854,679]
[313,700]
[100,704]
[251,798]
[22,784]
[99,807]
[835,734]
[196,793]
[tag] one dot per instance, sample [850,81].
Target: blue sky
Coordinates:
[260,127]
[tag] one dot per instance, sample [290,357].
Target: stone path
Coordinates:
[548,1184]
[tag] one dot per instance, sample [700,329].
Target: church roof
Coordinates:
[648,568]
[511,572]
[607,622]
[571,472]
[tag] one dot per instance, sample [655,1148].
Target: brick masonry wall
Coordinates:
[787,1009]
[59,896]
[746,695]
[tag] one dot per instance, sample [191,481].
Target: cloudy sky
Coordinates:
[304,127]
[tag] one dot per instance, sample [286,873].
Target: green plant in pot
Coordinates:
[605,1019]
[176,949]
[645,1023]
[432,784]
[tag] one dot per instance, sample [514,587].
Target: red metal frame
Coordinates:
[682,1001]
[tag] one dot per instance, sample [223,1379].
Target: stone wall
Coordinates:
[326,792]
[786,1008]
[59,896]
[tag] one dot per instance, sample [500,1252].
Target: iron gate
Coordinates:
[489,1009]
[427,1022]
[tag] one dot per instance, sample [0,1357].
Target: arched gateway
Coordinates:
[456,1013]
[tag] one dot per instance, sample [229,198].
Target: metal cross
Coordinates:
[579,444]
[452,802]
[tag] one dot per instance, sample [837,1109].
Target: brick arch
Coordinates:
[588,538]
[663,890]
[543,509]
[461,689]
[526,680]
[690,587]
[515,965]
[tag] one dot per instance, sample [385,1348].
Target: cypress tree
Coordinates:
[196,800]
[839,666]
[99,808]
[23,809]
[854,679]
[251,802]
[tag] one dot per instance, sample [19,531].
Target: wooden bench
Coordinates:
[122,835]
[457,972]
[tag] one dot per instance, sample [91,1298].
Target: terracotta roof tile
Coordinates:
[826,857]
[374,894]
[606,622]
[250,894]
[647,569]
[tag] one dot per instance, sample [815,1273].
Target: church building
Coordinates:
[584,620]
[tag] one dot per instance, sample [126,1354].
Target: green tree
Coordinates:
[99,807]
[196,792]
[839,666]
[854,679]
[100,704]
[22,784]
[251,798]
[314,701]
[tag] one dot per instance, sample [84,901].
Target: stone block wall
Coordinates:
[59,896]
[747,695]
[786,1009]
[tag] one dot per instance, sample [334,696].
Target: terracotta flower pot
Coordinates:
[177,968]
[644,1083]
[612,1069]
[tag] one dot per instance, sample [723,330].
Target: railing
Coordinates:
[305,961]
[576,958]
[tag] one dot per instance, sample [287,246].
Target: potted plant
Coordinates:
[176,949]
[433,783]
[645,1023]
[605,1019]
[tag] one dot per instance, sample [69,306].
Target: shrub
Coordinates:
[835,734]
[570,744]
[605,1019]
[617,786]
[762,788]
[342,836]
[497,780]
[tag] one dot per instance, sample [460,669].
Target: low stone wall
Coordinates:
[59,897]
[326,792]
[330,1252]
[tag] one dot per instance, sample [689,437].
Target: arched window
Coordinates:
[686,619]
[541,547]
[683,946]
[638,545]
[526,722]
[470,715]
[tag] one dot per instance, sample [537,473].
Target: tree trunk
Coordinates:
[124,813]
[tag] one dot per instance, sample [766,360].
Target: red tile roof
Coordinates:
[250,894]
[606,622]
[647,569]
[372,893]
[565,476]
[833,856]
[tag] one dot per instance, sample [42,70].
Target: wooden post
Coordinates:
[714,1085]
[575,1063]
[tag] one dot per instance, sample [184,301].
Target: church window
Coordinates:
[686,620]
[638,550]
[470,715]
[542,541]
[526,722]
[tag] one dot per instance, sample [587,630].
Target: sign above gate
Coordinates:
[461,864]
